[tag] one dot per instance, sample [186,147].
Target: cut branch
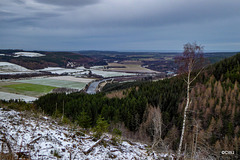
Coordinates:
[91,148]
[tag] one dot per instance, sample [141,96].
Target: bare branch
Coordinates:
[197,75]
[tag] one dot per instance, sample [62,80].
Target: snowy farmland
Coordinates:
[59,82]
[59,70]
[73,79]
[10,68]
[29,89]
[107,74]
[9,96]
[28,54]
[81,71]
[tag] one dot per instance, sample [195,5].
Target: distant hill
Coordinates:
[47,59]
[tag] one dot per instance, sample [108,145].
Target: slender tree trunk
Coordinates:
[157,123]
[63,111]
[191,59]
[184,116]
[193,146]
[196,141]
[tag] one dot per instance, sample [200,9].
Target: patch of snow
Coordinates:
[66,71]
[14,73]
[110,73]
[73,79]
[97,67]
[82,71]
[51,69]
[7,68]
[81,68]
[41,138]
[8,96]
[58,70]
[28,54]
[55,82]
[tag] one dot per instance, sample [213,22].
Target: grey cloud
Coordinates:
[68,2]
[34,20]
[192,12]
[3,14]
[151,15]
[19,22]
[46,15]
[119,24]
[19,1]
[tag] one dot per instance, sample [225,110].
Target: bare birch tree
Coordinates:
[190,61]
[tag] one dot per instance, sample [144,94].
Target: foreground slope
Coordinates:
[40,137]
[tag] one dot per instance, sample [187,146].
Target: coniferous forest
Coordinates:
[213,123]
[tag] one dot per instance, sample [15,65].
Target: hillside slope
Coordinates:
[27,135]
[213,123]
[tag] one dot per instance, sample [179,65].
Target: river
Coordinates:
[92,89]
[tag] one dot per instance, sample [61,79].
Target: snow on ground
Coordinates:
[73,79]
[28,54]
[110,73]
[97,67]
[81,68]
[55,82]
[58,70]
[8,96]
[14,73]
[82,71]
[10,67]
[41,138]
[51,69]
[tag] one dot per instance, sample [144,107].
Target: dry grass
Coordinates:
[149,59]
[6,156]
[120,93]
[116,94]
[130,66]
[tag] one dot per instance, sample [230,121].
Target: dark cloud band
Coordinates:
[69,2]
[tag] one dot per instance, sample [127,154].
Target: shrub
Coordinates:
[84,120]
[101,127]
[116,136]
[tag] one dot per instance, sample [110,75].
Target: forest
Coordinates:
[214,114]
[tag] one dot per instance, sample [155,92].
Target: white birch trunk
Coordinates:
[185,115]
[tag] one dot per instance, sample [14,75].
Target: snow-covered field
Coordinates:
[6,67]
[81,71]
[55,83]
[10,68]
[73,79]
[8,96]
[51,69]
[28,54]
[59,70]
[110,73]
[39,137]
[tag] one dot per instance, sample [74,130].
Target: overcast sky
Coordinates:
[119,24]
